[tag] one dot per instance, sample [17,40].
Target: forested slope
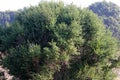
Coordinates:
[7,17]
[110,14]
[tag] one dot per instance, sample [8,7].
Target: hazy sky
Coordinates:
[19,4]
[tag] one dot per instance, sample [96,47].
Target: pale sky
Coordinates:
[19,4]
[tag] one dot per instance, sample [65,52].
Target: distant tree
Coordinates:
[110,13]
[7,17]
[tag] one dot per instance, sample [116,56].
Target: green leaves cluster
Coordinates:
[57,41]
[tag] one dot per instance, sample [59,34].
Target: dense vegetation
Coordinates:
[53,41]
[110,13]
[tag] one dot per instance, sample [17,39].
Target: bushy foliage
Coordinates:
[58,42]
[24,60]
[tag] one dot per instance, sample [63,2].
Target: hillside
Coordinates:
[7,17]
[110,14]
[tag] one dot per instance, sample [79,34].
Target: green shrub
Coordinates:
[60,42]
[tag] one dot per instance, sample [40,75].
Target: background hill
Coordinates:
[110,14]
[7,17]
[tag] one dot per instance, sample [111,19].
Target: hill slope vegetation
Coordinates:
[110,14]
